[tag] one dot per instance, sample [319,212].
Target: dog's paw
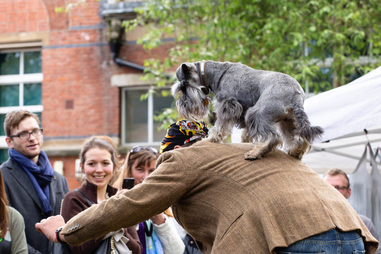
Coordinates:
[299,151]
[214,139]
[252,155]
[298,155]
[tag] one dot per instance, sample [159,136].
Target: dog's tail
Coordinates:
[310,133]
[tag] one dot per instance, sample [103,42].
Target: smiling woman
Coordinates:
[98,169]
[98,161]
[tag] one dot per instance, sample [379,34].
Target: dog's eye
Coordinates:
[204,90]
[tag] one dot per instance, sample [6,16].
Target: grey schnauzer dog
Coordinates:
[267,105]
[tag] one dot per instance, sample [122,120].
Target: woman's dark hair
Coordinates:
[3,209]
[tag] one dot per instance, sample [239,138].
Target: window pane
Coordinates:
[32,94]
[9,95]
[39,117]
[136,117]
[3,155]
[2,118]
[160,103]
[10,63]
[32,62]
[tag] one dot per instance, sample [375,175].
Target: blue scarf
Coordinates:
[40,174]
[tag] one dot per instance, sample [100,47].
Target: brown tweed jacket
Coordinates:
[228,204]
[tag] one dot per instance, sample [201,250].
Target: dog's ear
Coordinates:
[186,68]
[183,70]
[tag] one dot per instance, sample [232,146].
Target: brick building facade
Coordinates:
[81,90]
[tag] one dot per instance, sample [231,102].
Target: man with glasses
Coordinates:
[340,181]
[32,186]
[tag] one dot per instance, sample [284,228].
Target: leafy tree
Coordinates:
[307,39]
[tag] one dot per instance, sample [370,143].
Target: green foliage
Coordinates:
[166,118]
[298,37]
[294,37]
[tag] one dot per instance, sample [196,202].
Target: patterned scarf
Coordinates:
[40,174]
[182,132]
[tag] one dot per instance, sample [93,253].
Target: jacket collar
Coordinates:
[90,190]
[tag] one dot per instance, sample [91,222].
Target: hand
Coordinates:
[48,227]
[158,219]
[121,192]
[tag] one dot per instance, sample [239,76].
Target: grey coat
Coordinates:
[23,197]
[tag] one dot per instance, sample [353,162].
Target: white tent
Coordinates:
[344,113]
[344,152]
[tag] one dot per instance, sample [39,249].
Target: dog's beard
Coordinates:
[191,102]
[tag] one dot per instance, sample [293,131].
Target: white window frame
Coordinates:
[150,125]
[20,80]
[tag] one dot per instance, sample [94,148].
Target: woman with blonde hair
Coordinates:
[12,228]
[158,234]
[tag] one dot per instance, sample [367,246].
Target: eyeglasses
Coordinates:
[341,188]
[26,135]
[137,149]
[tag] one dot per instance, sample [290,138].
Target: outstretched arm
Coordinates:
[159,191]
[48,227]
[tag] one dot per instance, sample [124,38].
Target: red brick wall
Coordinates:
[77,96]
[85,14]
[23,16]
[76,74]
[68,172]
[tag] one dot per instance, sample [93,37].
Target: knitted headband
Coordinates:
[182,132]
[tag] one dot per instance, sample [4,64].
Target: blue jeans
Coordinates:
[333,241]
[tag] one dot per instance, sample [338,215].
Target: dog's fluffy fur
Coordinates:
[267,105]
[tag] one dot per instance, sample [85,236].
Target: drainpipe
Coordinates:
[115,32]
[115,49]
[122,62]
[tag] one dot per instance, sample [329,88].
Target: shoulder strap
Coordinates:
[148,228]
[87,199]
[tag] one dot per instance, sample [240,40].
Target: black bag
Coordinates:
[61,249]
[104,247]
